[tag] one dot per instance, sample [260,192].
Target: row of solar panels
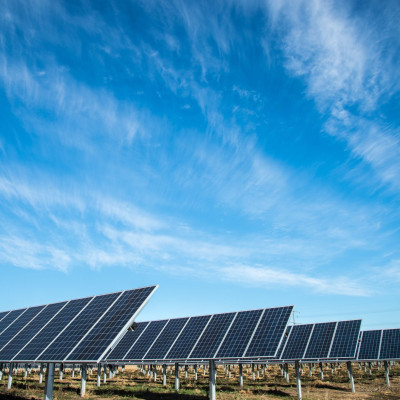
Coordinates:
[246,334]
[382,344]
[81,330]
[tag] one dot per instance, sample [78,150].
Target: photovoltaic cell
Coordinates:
[18,324]
[239,334]
[345,340]
[269,332]
[188,338]
[104,332]
[369,346]
[145,341]
[163,343]
[127,341]
[30,330]
[10,318]
[297,342]
[38,344]
[321,340]
[390,346]
[212,336]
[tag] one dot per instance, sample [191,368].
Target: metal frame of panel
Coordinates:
[282,317]
[127,297]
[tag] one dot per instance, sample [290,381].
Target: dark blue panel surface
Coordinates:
[11,317]
[163,343]
[63,345]
[321,340]
[212,336]
[297,342]
[188,338]
[30,330]
[390,347]
[18,324]
[3,314]
[269,332]
[369,346]
[33,350]
[239,334]
[146,340]
[127,341]
[345,340]
[111,324]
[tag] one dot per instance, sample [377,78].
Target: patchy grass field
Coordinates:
[133,384]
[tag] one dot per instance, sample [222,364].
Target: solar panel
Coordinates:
[269,333]
[127,341]
[163,343]
[82,330]
[146,340]
[30,330]
[390,345]
[370,342]
[321,340]
[238,337]
[283,342]
[345,341]
[188,337]
[296,343]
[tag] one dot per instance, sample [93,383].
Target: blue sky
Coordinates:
[240,154]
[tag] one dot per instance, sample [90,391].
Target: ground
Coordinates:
[133,384]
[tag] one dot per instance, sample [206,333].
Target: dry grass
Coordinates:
[133,384]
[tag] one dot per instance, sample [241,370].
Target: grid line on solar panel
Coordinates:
[19,323]
[344,343]
[156,338]
[321,339]
[137,339]
[239,333]
[113,323]
[211,337]
[309,339]
[29,331]
[333,339]
[297,342]
[225,334]
[140,348]
[10,318]
[50,331]
[126,343]
[390,347]
[78,328]
[3,315]
[369,345]
[269,333]
[167,337]
[188,338]
[282,345]
[254,332]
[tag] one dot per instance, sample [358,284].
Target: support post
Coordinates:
[287,372]
[298,379]
[98,375]
[61,371]
[351,377]
[195,372]
[155,373]
[41,373]
[10,376]
[321,370]
[164,379]
[73,370]
[104,374]
[212,373]
[387,373]
[177,377]
[48,389]
[83,380]
[186,371]
[241,375]
[253,372]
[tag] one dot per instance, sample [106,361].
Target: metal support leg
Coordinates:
[83,380]
[241,375]
[186,371]
[298,380]
[104,374]
[10,376]
[253,372]
[350,370]
[195,372]
[155,373]
[61,372]
[213,372]
[41,373]
[177,377]
[321,370]
[48,389]
[287,372]
[164,380]
[387,373]
[73,370]
[98,375]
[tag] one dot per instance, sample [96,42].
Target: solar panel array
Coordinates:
[381,344]
[246,334]
[330,340]
[73,331]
